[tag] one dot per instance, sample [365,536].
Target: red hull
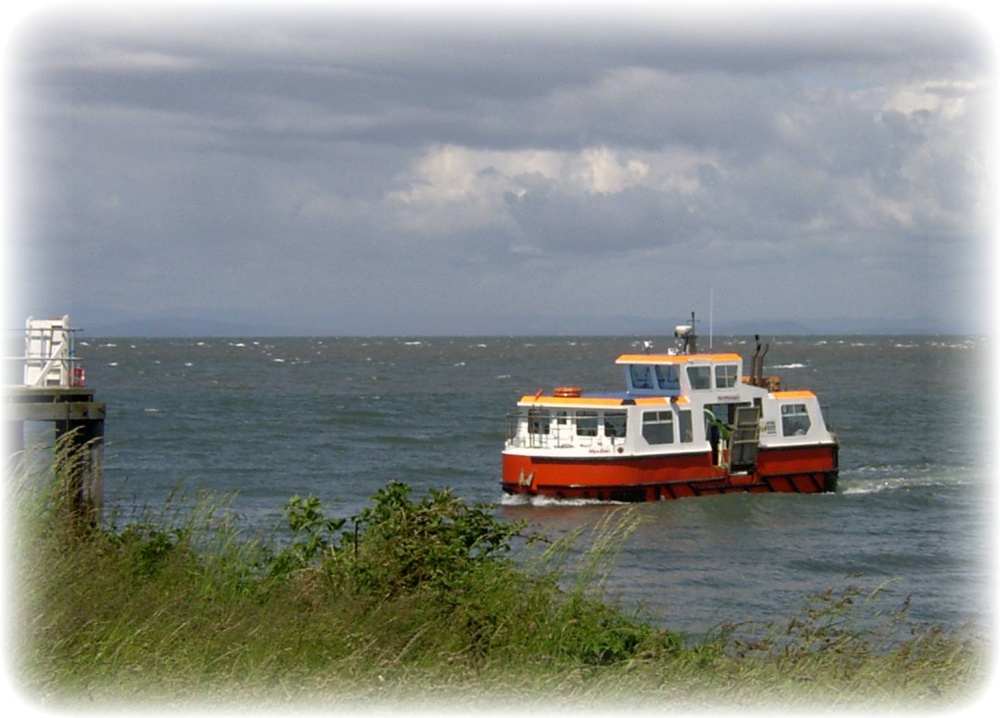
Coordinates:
[811,469]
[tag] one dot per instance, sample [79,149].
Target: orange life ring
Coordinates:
[566,391]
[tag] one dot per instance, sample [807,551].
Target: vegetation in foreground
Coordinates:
[414,603]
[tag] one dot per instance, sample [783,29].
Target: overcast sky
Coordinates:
[308,166]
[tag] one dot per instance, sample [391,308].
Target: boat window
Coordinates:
[658,427]
[538,421]
[614,423]
[685,426]
[668,376]
[794,419]
[725,376]
[640,376]
[586,423]
[700,377]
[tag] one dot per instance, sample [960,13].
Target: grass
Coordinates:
[416,602]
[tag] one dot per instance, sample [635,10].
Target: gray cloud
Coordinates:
[288,159]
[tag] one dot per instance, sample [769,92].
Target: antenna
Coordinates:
[711,314]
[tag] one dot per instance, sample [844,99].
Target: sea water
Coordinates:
[261,419]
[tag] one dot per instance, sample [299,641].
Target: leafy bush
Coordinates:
[438,543]
[146,547]
[313,535]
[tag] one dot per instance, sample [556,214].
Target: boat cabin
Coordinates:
[683,375]
[673,403]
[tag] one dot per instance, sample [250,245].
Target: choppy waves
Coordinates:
[896,477]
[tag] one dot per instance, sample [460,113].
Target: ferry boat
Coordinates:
[687,424]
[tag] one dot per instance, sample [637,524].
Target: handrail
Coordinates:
[49,358]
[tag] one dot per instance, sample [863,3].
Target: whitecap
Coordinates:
[546,501]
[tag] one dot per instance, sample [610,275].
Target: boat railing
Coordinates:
[520,435]
[540,430]
[519,439]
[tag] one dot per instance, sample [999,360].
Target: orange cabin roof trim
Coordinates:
[599,401]
[675,358]
[529,399]
[802,394]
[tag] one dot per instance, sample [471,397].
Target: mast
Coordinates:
[711,316]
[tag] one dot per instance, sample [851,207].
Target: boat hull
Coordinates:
[805,469]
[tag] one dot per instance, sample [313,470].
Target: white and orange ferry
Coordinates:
[687,424]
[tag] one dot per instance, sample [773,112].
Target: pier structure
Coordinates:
[54,390]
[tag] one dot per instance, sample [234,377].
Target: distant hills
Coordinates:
[509,325]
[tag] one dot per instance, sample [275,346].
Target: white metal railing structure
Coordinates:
[50,354]
[537,436]
[540,429]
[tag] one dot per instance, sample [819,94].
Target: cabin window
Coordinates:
[614,423]
[685,426]
[538,422]
[658,427]
[640,376]
[668,377]
[725,376]
[795,420]
[700,377]
[586,423]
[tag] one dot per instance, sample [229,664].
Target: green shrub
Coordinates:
[439,543]
[313,535]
